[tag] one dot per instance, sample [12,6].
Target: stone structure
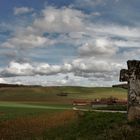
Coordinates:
[132,76]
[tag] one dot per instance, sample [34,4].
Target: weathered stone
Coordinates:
[134,113]
[125,86]
[132,76]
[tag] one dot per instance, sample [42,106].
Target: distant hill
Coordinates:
[16,85]
[37,93]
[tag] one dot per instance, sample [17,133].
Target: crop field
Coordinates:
[22,101]
[50,93]
[35,112]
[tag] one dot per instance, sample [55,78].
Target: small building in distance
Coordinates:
[104,102]
[81,103]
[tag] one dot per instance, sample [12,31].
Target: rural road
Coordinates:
[94,110]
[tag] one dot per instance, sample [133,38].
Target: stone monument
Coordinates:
[132,76]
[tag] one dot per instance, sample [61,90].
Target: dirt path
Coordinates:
[94,110]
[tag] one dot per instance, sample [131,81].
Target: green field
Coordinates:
[50,93]
[12,110]
[28,101]
[36,112]
[22,101]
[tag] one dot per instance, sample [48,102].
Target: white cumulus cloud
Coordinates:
[60,20]
[100,47]
[17,69]
[2,80]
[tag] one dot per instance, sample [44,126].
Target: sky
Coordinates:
[67,42]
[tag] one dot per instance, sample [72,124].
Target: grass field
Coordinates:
[36,112]
[22,101]
[50,93]
[12,110]
[69,125]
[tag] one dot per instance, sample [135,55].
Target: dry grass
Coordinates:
[33,126]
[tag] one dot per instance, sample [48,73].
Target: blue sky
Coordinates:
[67,42]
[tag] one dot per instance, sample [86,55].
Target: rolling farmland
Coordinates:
[35,112]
